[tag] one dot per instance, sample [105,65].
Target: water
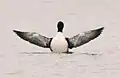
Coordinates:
[98,59]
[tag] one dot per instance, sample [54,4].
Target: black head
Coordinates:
[60,26]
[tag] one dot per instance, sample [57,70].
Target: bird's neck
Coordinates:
[60,30]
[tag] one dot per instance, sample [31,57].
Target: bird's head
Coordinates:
[60,26]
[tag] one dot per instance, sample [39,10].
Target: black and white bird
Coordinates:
[59,43]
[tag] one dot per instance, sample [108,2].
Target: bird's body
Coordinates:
[59,43]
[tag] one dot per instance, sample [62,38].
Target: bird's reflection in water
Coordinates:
[91,54]
[45,53]
[36,52]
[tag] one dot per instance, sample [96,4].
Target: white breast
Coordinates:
[59,43]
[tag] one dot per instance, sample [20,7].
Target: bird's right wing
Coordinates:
[83,38]
[34,38]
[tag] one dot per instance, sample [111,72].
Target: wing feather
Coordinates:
[83,38]
[34,38]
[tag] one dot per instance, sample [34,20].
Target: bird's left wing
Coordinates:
[34,38]
[83,38]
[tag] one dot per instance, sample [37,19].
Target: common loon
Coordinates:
[59,43]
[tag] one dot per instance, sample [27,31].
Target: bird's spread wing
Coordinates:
[83,38]
[34,38]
